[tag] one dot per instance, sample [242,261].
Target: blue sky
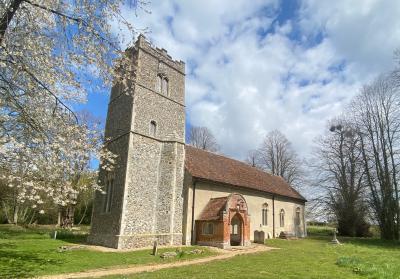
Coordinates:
[255,66]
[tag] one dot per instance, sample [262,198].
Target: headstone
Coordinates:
[334,240]
[259,236]
[155,248]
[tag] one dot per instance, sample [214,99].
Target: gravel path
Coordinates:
[132,269]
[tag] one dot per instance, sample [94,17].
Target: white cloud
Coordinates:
[242,85]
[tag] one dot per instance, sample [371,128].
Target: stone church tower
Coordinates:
[146,129]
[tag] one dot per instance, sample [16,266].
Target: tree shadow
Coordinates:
[18,264]
[70,237]
[19,232]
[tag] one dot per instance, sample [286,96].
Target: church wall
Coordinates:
[105,226]
[147,204]
[255,200]
[153,198]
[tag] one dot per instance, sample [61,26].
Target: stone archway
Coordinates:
[236,231]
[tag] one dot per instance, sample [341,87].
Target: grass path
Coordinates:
[129,270]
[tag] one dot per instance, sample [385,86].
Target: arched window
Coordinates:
[165,86]
[282,218]
[297,220]
[162,84]
[159,83]
[153,128]
[265,214]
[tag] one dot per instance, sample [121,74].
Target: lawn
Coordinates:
[313,257]
[31,252]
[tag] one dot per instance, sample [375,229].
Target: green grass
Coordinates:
[31,252]
[320,230]
[28,252]
[309,258]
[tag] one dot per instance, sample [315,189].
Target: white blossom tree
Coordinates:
[51,51]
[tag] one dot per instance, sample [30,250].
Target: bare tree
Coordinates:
[339,172]
[376,114]
[201,137]
[253,158]
[277,156]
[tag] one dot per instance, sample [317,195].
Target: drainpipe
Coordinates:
[193,201]
[304,221]
[273,216]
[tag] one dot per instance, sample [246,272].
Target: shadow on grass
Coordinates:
[22,264]
[19,232]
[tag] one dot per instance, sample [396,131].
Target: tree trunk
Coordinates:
[59,217]
[15,214]
[67,216]
[6,212]
[84,214]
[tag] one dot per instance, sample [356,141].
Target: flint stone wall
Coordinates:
[148,198]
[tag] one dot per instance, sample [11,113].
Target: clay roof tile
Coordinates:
[213,167]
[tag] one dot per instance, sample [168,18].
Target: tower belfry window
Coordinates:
[162,84]
[164,87]
[159,83]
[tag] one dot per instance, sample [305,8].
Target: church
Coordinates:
[166,191]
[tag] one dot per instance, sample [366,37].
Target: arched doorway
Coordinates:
[236,231]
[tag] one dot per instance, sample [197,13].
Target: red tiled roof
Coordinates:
[209,166]
[213,208]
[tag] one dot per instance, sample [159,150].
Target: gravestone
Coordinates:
[155,248]
[335,240]
[259,236]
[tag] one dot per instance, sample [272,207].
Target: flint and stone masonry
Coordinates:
[164,191]
[146,129]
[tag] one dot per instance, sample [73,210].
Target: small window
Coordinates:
[153,128]
[109,195]
[282,218]
[159,83]
[265,214]
[235,229]
[165,86]
[208,228]
[297,221]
